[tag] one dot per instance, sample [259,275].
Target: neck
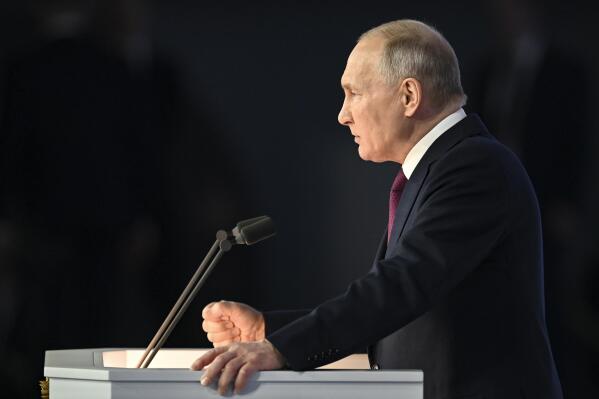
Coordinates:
[419,126]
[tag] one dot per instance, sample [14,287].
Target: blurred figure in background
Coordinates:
[102,186]
[534,95]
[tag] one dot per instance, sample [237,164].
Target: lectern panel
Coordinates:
[110,374]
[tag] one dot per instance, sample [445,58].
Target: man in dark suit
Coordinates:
[456,288]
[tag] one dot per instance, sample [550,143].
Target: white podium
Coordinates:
[111,374]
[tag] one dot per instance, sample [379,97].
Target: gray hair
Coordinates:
[417,50]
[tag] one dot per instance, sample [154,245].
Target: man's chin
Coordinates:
[365,156]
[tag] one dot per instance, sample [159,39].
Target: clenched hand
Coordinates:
[228,322]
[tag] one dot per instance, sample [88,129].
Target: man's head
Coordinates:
[400,79]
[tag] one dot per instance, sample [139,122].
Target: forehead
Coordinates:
[362,62]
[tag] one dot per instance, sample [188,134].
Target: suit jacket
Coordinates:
[457,292]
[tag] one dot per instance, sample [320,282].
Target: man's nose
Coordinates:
[344,116]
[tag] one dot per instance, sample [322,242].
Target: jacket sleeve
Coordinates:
[461,217]
[274,320]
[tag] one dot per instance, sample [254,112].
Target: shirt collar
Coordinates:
[418,151]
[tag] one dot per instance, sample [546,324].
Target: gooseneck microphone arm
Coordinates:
[255,230]
[185,298]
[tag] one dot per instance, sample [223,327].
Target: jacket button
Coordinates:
[309,358]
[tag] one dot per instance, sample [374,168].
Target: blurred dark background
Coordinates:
[130,131]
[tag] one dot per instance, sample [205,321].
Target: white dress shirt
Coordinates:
[418,151]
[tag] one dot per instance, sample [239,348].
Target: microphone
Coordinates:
[249,231]
[254,230]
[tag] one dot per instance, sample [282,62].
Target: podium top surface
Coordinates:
[118,364]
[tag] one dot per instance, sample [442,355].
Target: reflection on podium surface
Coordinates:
[165,358]
[183,358]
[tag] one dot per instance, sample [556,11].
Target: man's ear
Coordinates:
[410,95]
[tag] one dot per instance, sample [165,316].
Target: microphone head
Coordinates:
[254,230]
[248,222]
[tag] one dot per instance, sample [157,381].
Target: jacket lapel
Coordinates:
[382,249]
[469,126]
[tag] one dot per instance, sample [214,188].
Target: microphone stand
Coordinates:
[223,243]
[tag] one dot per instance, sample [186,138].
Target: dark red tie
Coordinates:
[396,189]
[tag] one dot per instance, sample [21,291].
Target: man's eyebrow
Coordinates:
[346,85]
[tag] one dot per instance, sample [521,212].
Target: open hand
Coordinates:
[236,363]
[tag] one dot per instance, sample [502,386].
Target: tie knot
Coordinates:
[399,182]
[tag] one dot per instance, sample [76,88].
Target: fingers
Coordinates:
[244,374]
[216,326]
[221,333]
[216,367]
[237,363]
[230,335]
[217,311]
[207,358]
[229,373]
[227,342]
